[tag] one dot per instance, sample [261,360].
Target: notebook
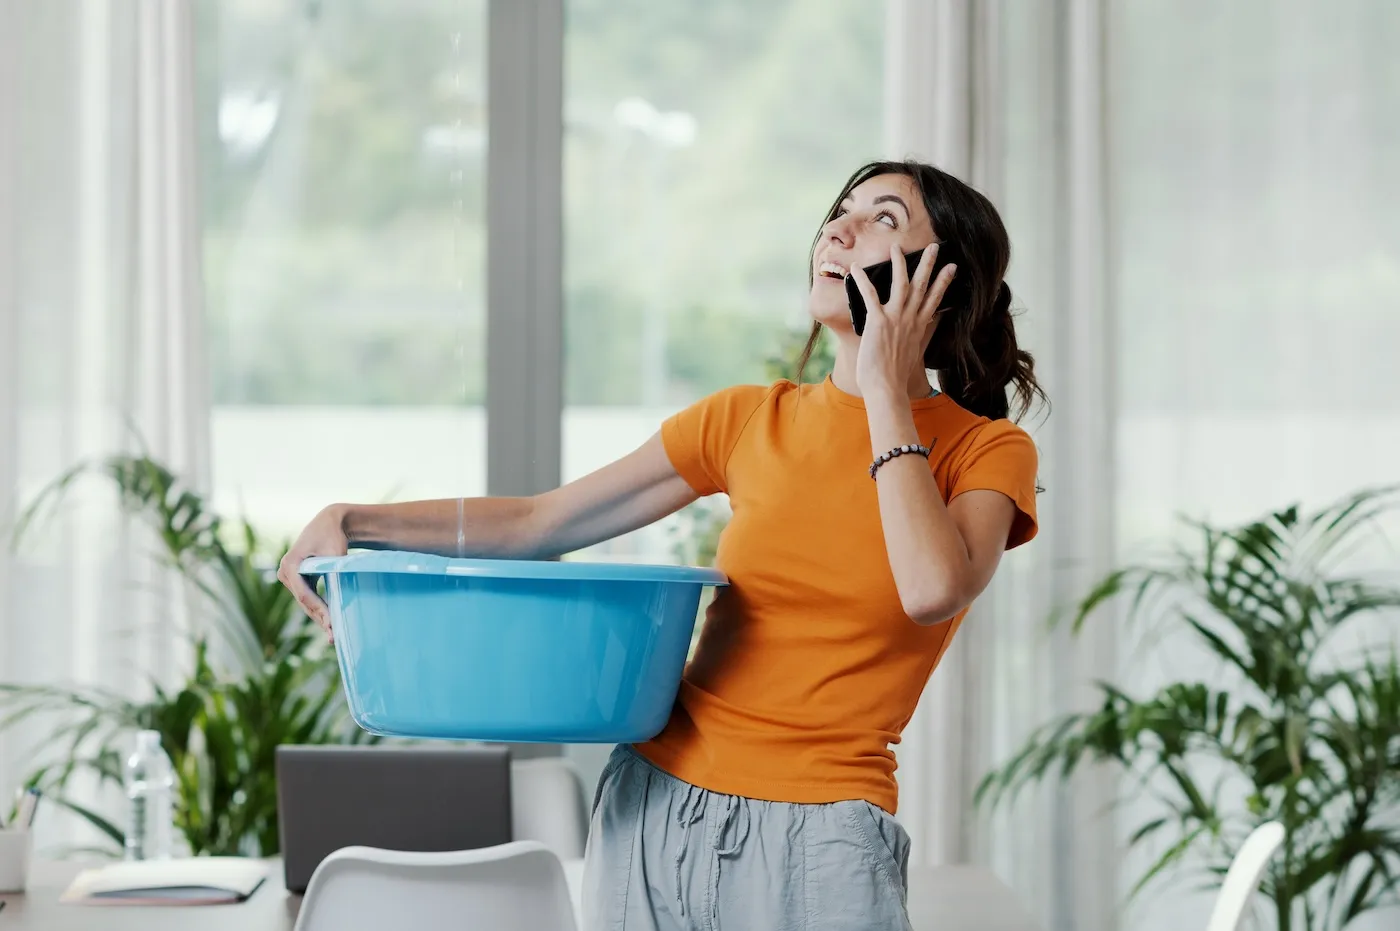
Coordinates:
[181,881]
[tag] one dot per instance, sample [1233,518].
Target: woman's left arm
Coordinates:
[942,555]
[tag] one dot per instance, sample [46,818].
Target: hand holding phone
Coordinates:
[881,275]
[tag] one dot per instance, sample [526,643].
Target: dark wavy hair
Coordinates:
[974,352]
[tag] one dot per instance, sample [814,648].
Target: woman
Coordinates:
[869,512]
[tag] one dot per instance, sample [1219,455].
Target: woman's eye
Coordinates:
[884,216]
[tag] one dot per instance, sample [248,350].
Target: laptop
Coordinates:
[395,798]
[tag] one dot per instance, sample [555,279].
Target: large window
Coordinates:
[344,176]
[342,158]
[703,144]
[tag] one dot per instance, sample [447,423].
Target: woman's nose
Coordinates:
[840,230]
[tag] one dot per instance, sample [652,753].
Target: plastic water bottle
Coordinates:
[150,783]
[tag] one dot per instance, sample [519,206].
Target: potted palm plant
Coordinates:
[261,675]
[1304,731]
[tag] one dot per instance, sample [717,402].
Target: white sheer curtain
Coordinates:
[9,329]
[1254,153]
[1009,98]
[101,345]
[1200,198]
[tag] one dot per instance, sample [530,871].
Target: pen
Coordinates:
[27,807]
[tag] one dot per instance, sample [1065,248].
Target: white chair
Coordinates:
[548,805]
[517,885]
[1242,878]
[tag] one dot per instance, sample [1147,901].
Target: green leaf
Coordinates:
[1170,856]
[91,817]
[1147,830]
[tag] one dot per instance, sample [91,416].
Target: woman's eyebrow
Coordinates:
[892,198]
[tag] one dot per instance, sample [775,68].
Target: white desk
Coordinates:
[270,908]
[946,898]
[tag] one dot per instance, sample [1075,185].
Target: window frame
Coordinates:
[524,246]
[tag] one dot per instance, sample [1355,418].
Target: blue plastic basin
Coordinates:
[503,650]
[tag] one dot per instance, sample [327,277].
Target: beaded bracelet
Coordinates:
[895,454]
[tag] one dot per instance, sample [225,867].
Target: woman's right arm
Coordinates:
[636,490]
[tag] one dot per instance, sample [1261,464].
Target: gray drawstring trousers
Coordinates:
[664,855]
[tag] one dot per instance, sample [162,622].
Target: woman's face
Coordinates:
[878,213]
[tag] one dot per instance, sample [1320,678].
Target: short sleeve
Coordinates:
[699,439]
[1002,457]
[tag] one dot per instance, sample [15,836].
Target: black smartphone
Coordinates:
[958,295]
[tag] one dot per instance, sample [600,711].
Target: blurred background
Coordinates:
[305,251]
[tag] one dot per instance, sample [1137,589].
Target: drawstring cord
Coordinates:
[691,811]
[735,805]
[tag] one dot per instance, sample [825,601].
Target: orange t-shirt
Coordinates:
[808,669]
